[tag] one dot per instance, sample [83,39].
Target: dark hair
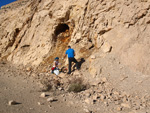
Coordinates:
[69,46]
[56,58]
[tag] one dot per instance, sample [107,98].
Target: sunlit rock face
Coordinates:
[38,31]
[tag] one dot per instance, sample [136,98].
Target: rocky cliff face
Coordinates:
[115,30]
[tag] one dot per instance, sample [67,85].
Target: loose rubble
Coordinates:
[51,99]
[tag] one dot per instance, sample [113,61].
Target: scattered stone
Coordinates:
[39,103]
[87,94]
[125,105]
[87,111]
[64,99]
[88,101]
[12,102]
[116,93]
[60,89]
[33,75]
[49,106]
[119,108]
[104,79]
[28,69]
[93,56]
[77,73]
[51,99]
[106,47]
[43,95]
[106,103]
[61,75]
[102,97]
[95,97]
[133,111]
[31,108]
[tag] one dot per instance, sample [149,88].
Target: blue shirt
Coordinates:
[70,53]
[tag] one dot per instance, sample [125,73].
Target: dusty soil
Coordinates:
[16,85]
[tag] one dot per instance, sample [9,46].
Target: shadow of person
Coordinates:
[82,60]
[79,64]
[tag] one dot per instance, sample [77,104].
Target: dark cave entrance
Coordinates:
[61,28]
[61,39]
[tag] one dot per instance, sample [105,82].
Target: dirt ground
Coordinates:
[15,85]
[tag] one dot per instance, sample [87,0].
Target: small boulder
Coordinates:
[43,95]
[104,80]
[119,108]
[12,102]
[125,105]
[88,101]
[93,56]
[51,99]
[39,103]
[87,111]
[106,48]
[61,75]
[28,69]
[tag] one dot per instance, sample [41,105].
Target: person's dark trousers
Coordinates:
[70,61]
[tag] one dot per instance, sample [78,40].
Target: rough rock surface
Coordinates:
[40,30]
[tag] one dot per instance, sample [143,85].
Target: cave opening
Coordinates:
[61,28]
[61,39]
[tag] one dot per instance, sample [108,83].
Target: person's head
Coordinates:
[69,47]
[57,58]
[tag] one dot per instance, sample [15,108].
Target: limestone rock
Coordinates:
[62,75]
[119,108]
[88,101]
[87,111]
[93,57]
[39,103]
[43,95]
[12,102]
[106,47]
[125,105]
[51,99]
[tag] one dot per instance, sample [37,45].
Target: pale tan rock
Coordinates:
[133,111]
[39,103]
[28,68]
[51,99]
[119,108]
[43,95]
[106,47]
[125,105]
[95,82]
[93,57]
[104,80]
[88,101]
[87,111]
[93,71]
[12,102]
[62,75]
[102,97]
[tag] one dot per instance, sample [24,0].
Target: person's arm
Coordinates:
[55,64]
[65,55]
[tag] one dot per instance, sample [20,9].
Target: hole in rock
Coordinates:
[61,28]
[61,39]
